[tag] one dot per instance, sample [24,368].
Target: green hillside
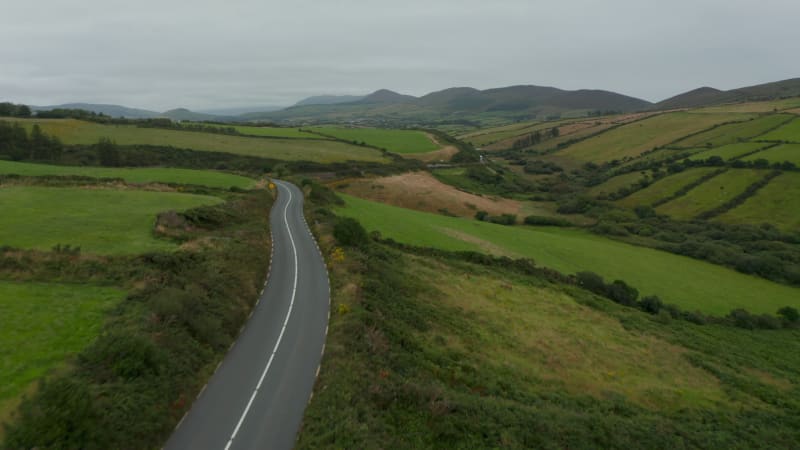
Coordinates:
[143,175]
[778,203]
[711,194]
[629,141]
[86,133]
[97,221]
[396,141]
[710,288]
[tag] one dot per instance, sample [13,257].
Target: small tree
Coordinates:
[107,152]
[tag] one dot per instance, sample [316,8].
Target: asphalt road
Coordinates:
[257,396]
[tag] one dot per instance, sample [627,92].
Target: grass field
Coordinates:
[86,133]
[43,324]
[689,283]
[144,175]
[274,132]
[755,107]
[487,137]
[736,132]
[711,194]
[779,154]
[396,141]
[614,184]
[777,203]
[664,188]
[787,133]
[730,151]
[99,221]
[550,331]
[632,139]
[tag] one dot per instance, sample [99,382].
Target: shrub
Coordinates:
[591,281]
[620,292]
[651,304]
[349,232]
[547,221]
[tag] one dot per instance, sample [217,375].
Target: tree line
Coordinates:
[17,144]
[11,110]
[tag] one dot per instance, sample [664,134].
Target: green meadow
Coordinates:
[665,187]
[133,175]
[779,154]
[711,194]
[735,132]
[777,203]
[634,138]
[788,133]
[276,132]
[75,132]
[614,184]
[42,324]
[688,283]
[730,151]
[97,220]
[395,141]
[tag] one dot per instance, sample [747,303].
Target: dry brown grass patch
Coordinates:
[422,192]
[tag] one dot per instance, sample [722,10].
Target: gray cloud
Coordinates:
[198,54]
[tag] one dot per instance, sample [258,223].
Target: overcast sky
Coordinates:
[208,54]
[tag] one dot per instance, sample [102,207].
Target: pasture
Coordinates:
[711,194]
[74,132]
[777,203]
[779,154]
[41,325]
[274,132]
[614,184]
[735,132]
[730,151]
[395,141]
[133,175]
[97,220]
[630,140]
[787,133]
[689,283]
[665,187]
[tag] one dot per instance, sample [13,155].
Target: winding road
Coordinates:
[257,396]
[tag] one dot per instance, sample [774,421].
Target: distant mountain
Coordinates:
[456,103]
[228,112]
[109,110]
[385,96]
[708,96]
[327,100]
[183,114]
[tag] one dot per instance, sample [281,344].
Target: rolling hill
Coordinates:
[706,96]
[109,110]
[514,101]
[328,100]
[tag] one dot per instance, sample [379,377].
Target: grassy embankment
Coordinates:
[129,387]
[494,359]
